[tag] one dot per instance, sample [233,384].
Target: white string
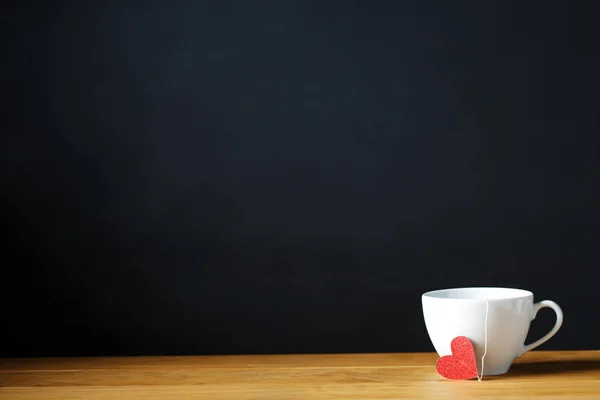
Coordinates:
[487,309]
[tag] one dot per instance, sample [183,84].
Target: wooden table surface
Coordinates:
[536,375]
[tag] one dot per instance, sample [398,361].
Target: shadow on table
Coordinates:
[553,367]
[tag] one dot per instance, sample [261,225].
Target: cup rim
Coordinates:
[511,293]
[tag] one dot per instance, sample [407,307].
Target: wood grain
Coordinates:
[536,375]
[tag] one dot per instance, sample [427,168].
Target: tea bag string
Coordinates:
[485,335]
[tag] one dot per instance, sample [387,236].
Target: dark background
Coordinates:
[217,177]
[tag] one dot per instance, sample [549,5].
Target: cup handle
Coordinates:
[559,320]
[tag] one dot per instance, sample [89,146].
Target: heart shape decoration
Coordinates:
[461,364]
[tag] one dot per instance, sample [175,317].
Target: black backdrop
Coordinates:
[201,177]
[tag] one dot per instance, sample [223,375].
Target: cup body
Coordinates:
[502,315]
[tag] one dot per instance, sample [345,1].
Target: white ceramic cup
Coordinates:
[462,312]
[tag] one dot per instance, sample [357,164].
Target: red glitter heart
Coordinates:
[461,364]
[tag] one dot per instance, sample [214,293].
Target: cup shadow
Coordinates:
[552,367]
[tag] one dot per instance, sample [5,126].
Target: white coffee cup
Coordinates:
[462,312]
